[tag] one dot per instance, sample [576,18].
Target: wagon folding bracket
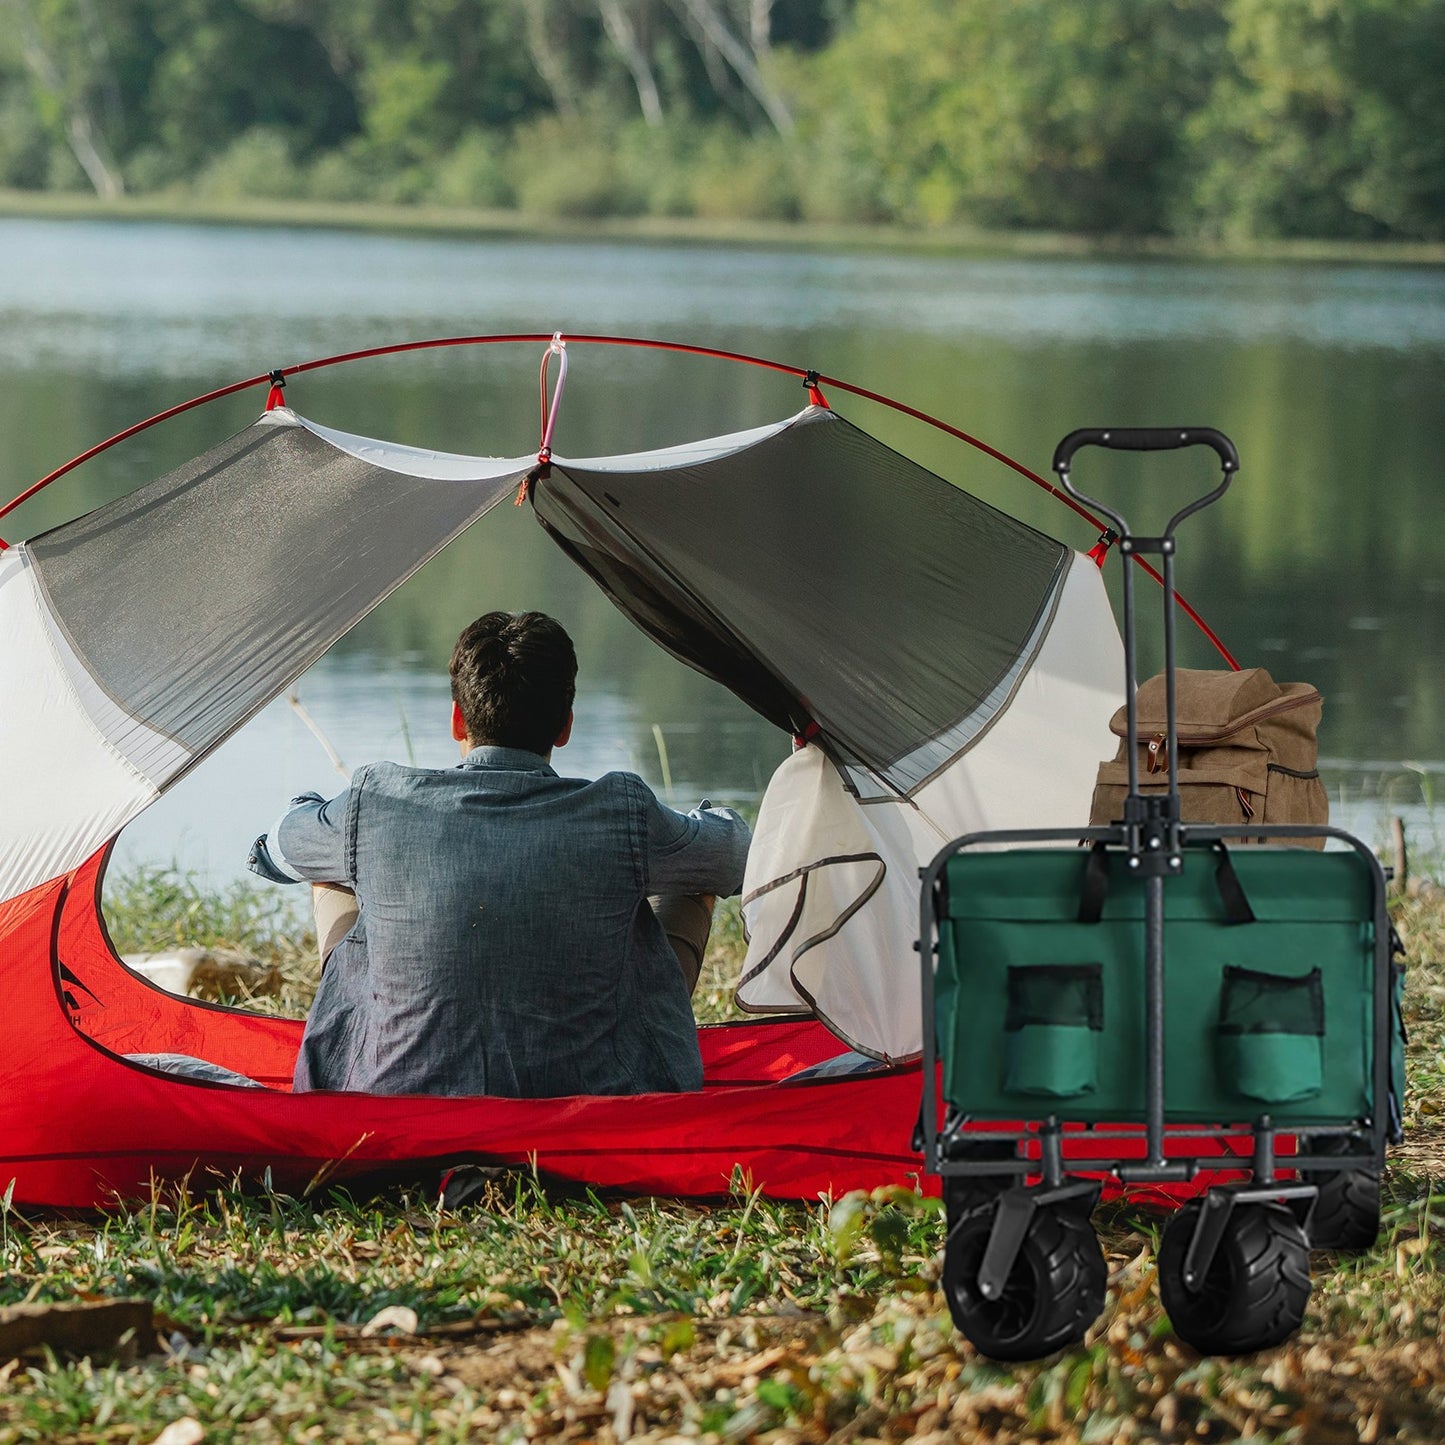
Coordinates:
[1218,1208]
[1016,1210]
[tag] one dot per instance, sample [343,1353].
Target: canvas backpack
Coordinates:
[1247,751]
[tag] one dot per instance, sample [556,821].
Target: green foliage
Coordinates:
[156,906]
[221,72]
[257,163]
[1034,114]
[1327,122]
[473,173]
[750,178]
[400,95]
[352,172]
[1208,119]
[569,167]
[25,147]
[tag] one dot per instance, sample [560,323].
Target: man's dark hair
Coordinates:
[514,675]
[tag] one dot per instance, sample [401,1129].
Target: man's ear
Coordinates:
[459,725]
[565,733]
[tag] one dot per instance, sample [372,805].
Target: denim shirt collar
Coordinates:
[511,760]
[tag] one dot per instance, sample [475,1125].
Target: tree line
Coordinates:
[1202,119]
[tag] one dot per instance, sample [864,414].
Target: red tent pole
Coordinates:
[812,378]
[130,431]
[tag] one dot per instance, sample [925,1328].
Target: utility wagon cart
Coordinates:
[1162,1000]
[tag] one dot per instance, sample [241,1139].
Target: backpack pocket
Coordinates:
[1051,1029]
[1297,796]
[1270,1039]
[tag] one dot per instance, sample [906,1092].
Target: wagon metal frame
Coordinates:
[985,1159]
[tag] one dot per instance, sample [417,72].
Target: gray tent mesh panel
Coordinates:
[197,598]
[826,580]
[837,587]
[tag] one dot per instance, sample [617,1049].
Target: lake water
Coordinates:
[1326,562]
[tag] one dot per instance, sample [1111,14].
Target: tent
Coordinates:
[942,666]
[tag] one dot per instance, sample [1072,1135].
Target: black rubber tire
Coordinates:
[1258,1284]
[1347,1213]
[1054,1292]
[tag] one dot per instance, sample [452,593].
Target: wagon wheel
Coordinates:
[1255,1291]
[1347,1212]
[1054,1292]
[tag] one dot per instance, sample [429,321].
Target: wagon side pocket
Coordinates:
[1271,1034]
[1051,1029]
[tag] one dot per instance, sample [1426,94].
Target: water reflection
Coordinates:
[1325,563]
[165,299]
[366,707]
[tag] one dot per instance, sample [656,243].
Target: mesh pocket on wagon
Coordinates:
[1051,1029]
[1271,1034]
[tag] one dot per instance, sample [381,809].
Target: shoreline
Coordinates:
[475,224]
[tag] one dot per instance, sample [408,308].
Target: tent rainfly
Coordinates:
[943,667]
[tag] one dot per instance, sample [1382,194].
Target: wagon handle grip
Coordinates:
[1161,823]
[1147,439]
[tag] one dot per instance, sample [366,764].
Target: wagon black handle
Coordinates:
[1147,439]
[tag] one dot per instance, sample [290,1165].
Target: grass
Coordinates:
[157,907]
[154,908]
[558,1316]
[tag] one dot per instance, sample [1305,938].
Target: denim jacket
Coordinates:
[505,944]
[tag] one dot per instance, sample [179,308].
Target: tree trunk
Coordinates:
[623,34]
[104,178]
[760,25]
[706,16]
[87,146]
[551,64]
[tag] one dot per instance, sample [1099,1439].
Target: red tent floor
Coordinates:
[81,1128]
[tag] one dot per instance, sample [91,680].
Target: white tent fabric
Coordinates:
[830,900]
[90,629]
[403,460]
[68,784]
[136,638]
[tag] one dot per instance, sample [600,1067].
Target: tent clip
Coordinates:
[1100,549]
[275,397]
[815,397]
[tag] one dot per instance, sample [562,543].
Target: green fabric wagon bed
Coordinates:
[1038,1013]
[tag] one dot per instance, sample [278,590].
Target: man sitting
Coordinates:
[504,941]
